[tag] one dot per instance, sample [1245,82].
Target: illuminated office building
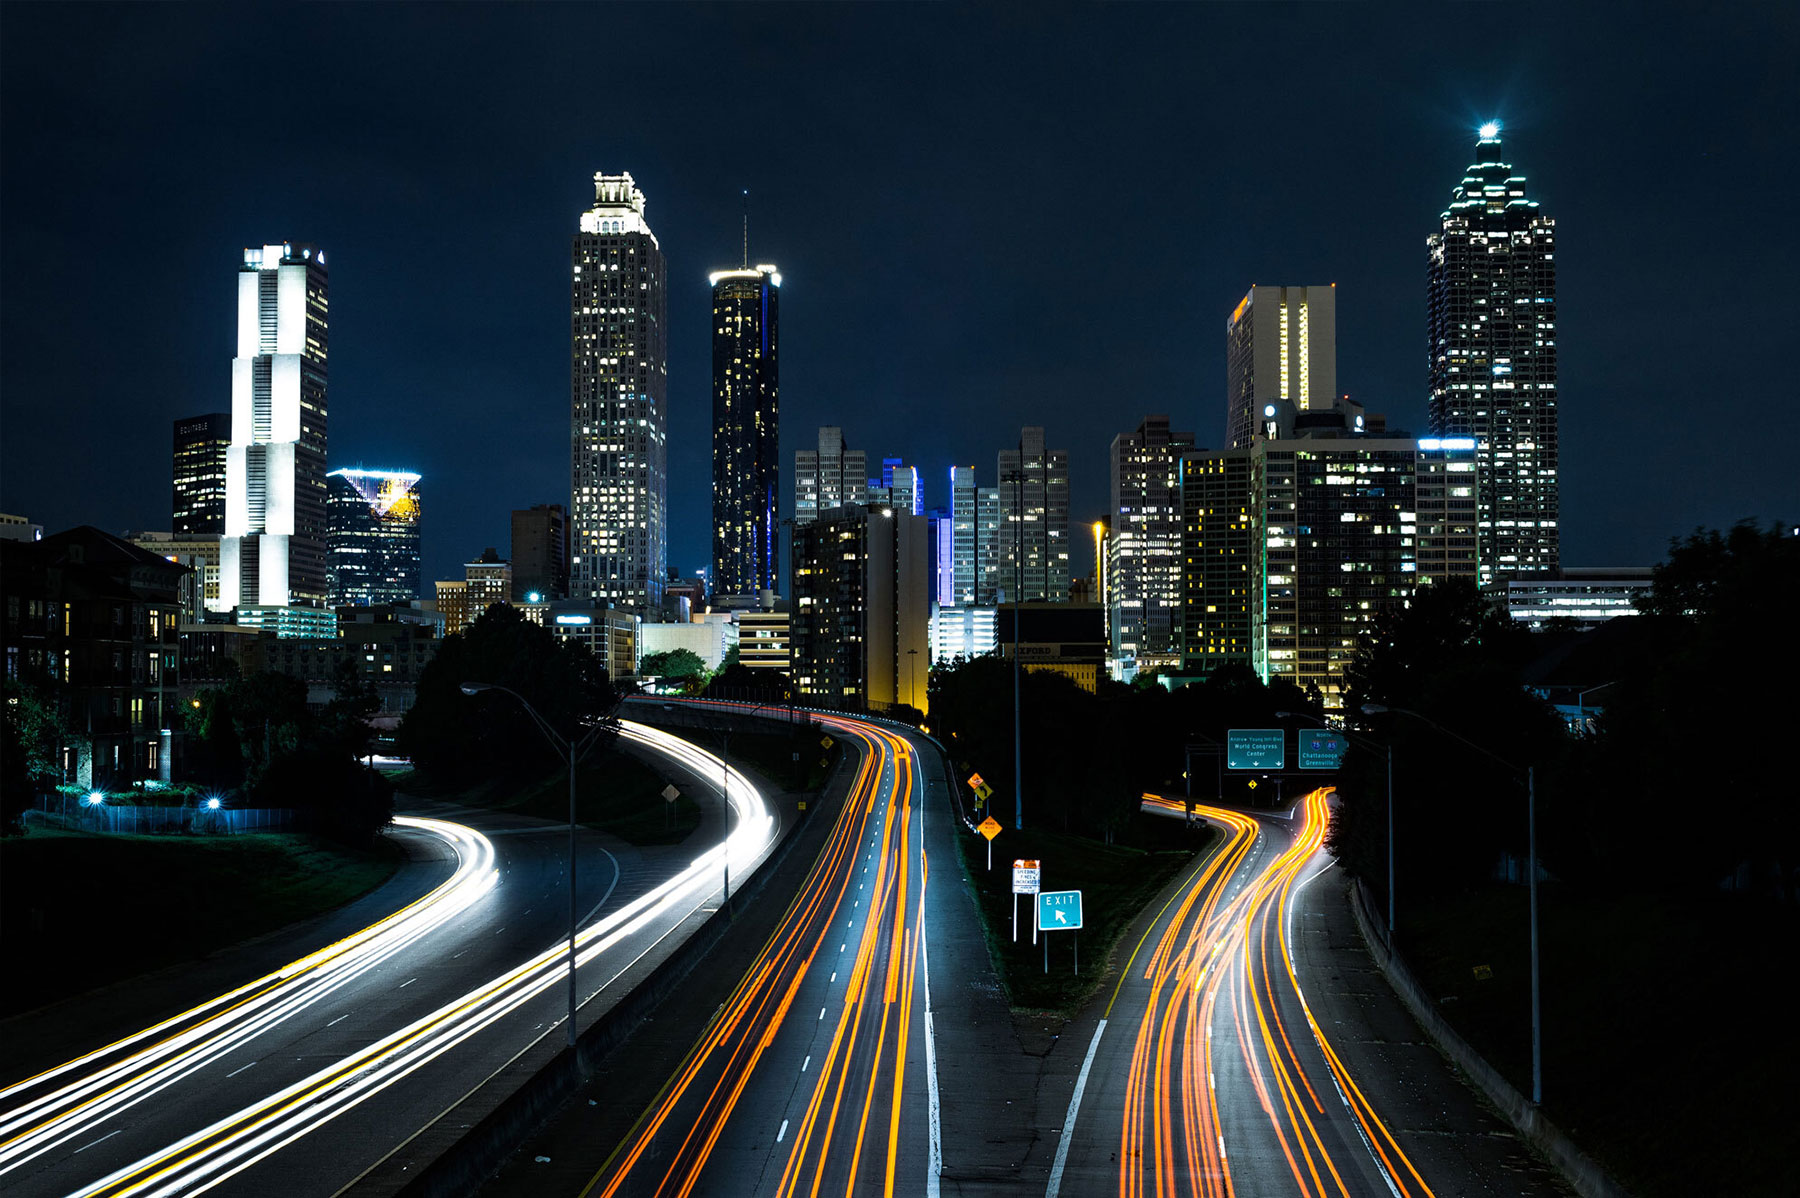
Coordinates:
[746,379]
[1220,562]
[1280,344]
[897,488]
[619,372]
[962,535]
[200,449]
[861,627]
[373,545]
[1033,521]
[1492,369]
[1142,562]
[832,476]
[273,552]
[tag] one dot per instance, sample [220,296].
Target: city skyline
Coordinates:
[966,391]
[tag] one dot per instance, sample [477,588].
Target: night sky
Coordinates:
[983,219]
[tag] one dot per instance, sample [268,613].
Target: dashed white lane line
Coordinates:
[406,983]
[782,1132]
[239,1069]
[805,1063]
[109,1135]
[821,1013]
[338,1020]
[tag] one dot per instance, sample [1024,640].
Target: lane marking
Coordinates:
[109,1135]
[805,1063]
[406,983]
[240,1069]
[1068,1131]
[821,1012]
[338,1020]
[782,1132]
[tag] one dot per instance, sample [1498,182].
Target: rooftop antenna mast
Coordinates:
[746,228]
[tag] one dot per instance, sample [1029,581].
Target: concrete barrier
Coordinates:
[1581,1170]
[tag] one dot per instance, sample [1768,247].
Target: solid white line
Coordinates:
[933,1104]
[1068,1131]
[782,1132]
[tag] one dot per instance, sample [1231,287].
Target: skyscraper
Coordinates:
[988,557]
[1034,520]
[540,552]
[201,443]
[1492,368]
[619,371]
[273,554]
[1220,558]
[1280,343]
[1144,559]
[373,546]
[898,488]
[861,634]
[829,477]
[746,379]
[962,535]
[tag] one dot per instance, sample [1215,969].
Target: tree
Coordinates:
[675,663]
[31,731]
[457,736]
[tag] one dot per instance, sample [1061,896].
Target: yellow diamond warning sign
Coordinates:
[989,827]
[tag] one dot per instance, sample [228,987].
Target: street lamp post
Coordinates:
[1531,872]
[572,750]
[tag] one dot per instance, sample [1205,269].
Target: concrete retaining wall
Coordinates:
[1581,1170]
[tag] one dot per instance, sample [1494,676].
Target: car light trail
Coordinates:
[1213,961]
[847,1137]
[218,1152]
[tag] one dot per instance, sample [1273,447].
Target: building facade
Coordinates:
[619,375]
[897,488]
[373,544]
[746,378]
[540,552]
[1280,344]
[1034,521]
[273,554]
[832,476]
[201,443]
[1492,366]
[861,627]
[199,552]
[1218,557]
[1584,596]
[962,535]
[1141,567]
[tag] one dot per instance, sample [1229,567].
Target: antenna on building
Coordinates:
[746,228]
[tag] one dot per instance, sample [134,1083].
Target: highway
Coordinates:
[247,1092]
[818,1074]
[1212,1072]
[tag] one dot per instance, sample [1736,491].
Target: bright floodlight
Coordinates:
[96,798]
[1490,131]
[212,804]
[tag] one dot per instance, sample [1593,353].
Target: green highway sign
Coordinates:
[1059,910]
[1255,749]
[1321,749]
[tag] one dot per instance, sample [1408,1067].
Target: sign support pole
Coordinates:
[1015,918]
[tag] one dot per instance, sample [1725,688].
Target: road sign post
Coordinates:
[1059,911]
[1024,881]
[990,828]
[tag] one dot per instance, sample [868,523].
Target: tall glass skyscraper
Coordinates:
[832,476]
[746,379]
[201,445]
[1280,344]
[1492,367]
[619,374]
[374,542]
[1143,554]
[1034,521]
[273,552]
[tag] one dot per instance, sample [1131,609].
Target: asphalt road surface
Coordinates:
[266,1088]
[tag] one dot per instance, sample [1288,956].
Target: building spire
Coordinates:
[746,228]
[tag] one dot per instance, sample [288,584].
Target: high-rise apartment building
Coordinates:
[1447,507]
[746,379]
[1492,368]
[861,630]
[1221,562]
[989,562]
[273,553]
[619,372]
[1280,344]
[1034,520]
[943,556]
[1142,566]
[832,476]
[373,543]
[201,443]
[540,553]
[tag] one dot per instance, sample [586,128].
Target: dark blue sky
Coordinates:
[984,218]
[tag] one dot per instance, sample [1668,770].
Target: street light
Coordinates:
[572,750]
[1531,872]
[1389,750]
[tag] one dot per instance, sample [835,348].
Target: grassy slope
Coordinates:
[1116,882]
[80,910]
[1669,1049]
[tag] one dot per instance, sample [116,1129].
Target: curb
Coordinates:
[1577,1167]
